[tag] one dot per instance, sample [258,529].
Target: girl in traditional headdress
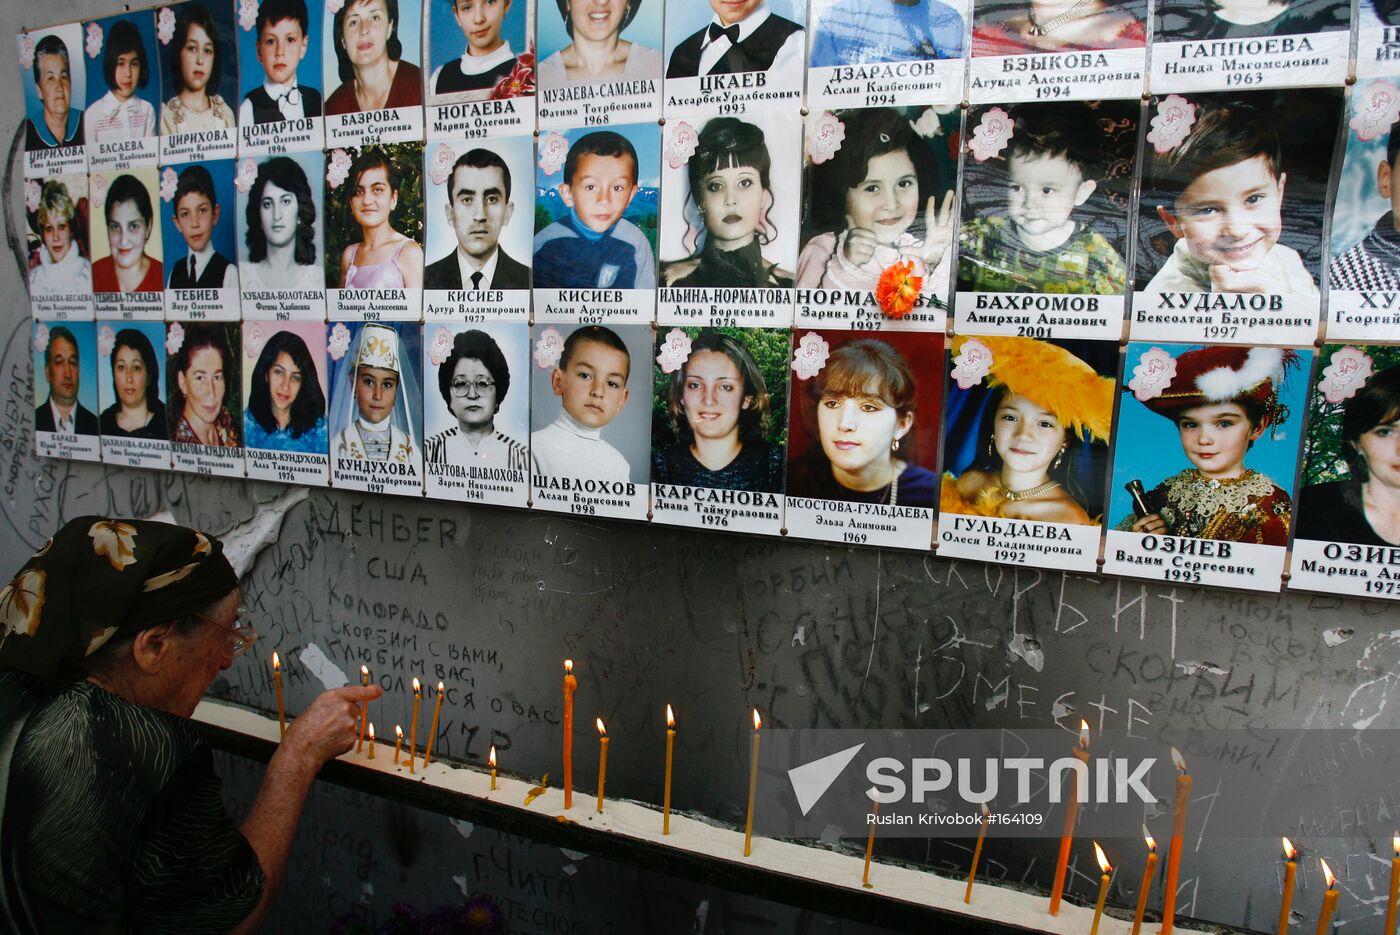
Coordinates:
[374,422]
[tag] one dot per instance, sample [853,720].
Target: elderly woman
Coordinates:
[196,383]
[112,632]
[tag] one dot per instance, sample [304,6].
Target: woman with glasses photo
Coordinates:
[473,381]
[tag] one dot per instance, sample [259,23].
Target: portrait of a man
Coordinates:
[478,208]
[62,412]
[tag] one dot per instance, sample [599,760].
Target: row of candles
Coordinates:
[1080,751]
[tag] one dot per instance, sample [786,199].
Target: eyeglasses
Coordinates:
[482,386]
[241,638]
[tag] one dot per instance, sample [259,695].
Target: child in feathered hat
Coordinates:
[1221,399]
[1047,401]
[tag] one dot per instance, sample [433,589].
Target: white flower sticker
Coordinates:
[554,149]
[168,181]
[928,125]
[106,340]
[41,337]
[339,341]
[549,348]
[1172,122]
[443,161]
[247,175]
[334,6]
[1377,107]
[174,338]
[32,191]
[675,351]
[681,141]
[993,132]
[1154,372]
[810,356]
[165,25]
[26,51]
[247,14]
[973,362]
[824,137]
[253,340]
[338,169]
[99,190]
[1345,375]
[441,348]
[94,40]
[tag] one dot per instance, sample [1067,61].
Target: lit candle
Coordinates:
[1103,887]
[666,793]
[277,680]
[398,743]
[1146,887]
[753,782]
[364,707]
[1183,797]
[371,740]
[1394,888]
[1290,874]
[870,837]
[570,686]
[413,728]
[1081,753]
[1329,900]
[602,762]
[976,853]
[492,760]
[432,731]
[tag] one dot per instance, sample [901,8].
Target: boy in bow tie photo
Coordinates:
[743,35]
[282,44]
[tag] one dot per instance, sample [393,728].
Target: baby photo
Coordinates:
[284,385]
[126,235]
[1183,20]
[480,49]
[480,213]
[599,40]
[65,378]
[1046,194]
[198,67]
[730,202]
[880,189]
[1365,255]
[1021,27]
[1234,189]
[376,401]
[202,385]
[371,60]
[596,208]
[131,384]
[279,235]
[121,59]
[861,32]
[57,248]
[374,209]
[724,37]
[198,217]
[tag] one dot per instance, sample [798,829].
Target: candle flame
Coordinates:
[1102,858]
[371,732]
[364,674]
[757,721]
[1289,851]
[1395,841]
[670,717]
[398,732]
[985,810]
[1151,841]
[1178,760]
[276,663]
[568,666]
[440,689]
[417,689]
[492,757]
[602,731]
[1327,873]
[1084,735]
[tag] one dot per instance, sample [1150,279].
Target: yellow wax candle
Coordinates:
[1290,875]
[1081,753]
[371,740]
[364,708]
[1329,900]
[1103,887]
[666,792]
[1146,887]
[870,838]
[1183,798]
[398,743]
[570,686]
[976,854]
[432,731]
[492,760]
[413,728]
[753,782]
[1394,888]
[277,680]
[602,762]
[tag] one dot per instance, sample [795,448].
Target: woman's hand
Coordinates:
[329,726]
[1152,524]
[938,232]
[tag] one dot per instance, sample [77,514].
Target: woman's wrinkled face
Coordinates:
[127,233]
[858,432]
[57,234]
[1026,436]
[129,375]
[597,20]
[283,384]
[712,393]
[366,31]
[277,209]
[473,392]
[202,382]
[196,58]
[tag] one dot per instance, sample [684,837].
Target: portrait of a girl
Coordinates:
[198,59]
[380,257]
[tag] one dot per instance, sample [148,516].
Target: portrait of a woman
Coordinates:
[138,411]
[1021,27]
[196,383]
[62,268]
[865,399]
[121,113]
[286,408]
[1032,434]
[196,62]
[474,381]
[129,216]
[597,49]
[281,230]
[383,258]
[373,73]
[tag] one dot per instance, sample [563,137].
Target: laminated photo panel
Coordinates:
[374,194]
[1027,426]
[199,218]
[764,71]
[629,91]
[1363,270]
[282,101]
[719,428]
[284,372]
[878,212]
[1210,45]
[65,390]
[57,247]
[1192,500]
[590,419]
[204,397]
[862,466]
[54,80]
[1377,42]
[376,415]
[281,266]
[1344,533]
[596,261]
[476,412]
[198,59]
[730,209]
[128,274]
[131,392]
[482,84]
[480,213]
[1092,52]
[372,36]
[120,122]
[867,53]
[1226,251]
[1047,189]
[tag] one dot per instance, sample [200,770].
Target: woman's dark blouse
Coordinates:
[918,486]
[744,268]
[113,819]
[758,467]
[156,428]
[1334,512]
